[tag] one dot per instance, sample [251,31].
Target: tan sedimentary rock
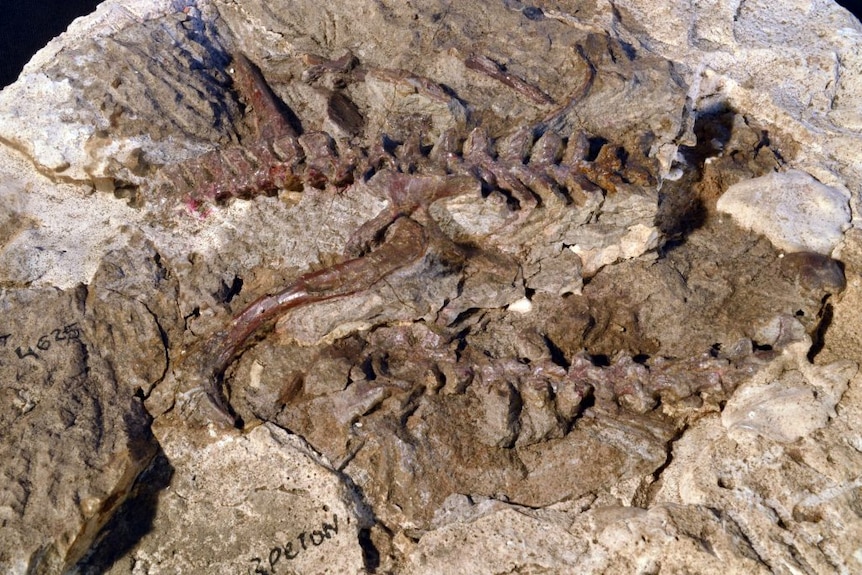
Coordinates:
[437,288]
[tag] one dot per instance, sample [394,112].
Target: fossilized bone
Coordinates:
[530,166]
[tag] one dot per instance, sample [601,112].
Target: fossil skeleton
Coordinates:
[526,168]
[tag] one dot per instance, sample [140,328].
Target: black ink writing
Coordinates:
[317,537]
[71,331]
[44,343]
[23,354]
[291,549]
[68,333]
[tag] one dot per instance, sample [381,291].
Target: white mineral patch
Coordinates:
[792,209]
[523,305]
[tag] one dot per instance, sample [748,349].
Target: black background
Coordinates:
[27,25]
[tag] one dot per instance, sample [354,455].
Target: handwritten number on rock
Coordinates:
[68,333]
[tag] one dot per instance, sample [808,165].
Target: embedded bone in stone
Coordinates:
[472,287]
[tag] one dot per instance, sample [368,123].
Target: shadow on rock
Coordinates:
[132,521]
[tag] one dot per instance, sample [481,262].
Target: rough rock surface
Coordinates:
[243,502]
[485,287]
[792,209]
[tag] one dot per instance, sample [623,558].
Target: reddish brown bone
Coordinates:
[270,122]
[489,67]
[405,243]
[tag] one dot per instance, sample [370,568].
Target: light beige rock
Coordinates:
[656,396]
[497,539]
[51,98]
[493,537]
[799,401]
[52,234]
[240,502]
[792,209]
[806,88]
[780,496]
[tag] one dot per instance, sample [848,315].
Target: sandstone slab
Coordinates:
[446,287]
[249,503]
